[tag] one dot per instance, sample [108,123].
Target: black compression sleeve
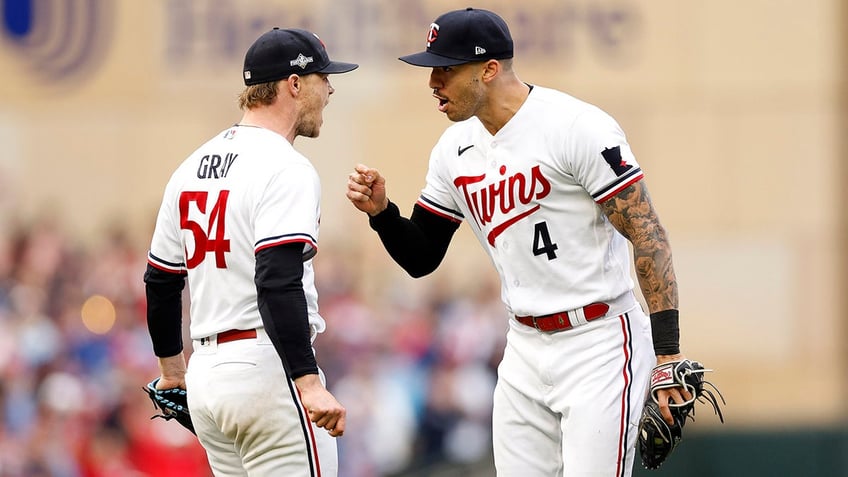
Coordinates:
[164,310]
[419,243]
[282,305]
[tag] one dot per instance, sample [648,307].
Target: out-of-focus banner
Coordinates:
[53,42]
[731,108]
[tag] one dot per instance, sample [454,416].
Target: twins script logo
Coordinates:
[504,197]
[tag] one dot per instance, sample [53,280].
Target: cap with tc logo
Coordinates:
[280,53]
[464,36]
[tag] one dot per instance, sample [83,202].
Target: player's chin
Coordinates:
[456,115]
[312,130]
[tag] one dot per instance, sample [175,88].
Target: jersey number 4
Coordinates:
[208,239]
[542,241]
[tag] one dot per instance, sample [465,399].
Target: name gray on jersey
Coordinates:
[213,166]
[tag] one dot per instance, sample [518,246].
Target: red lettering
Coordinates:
[502,196]
[660,376]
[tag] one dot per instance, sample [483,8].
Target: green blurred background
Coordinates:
[735,110]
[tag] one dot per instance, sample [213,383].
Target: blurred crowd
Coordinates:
[414,364]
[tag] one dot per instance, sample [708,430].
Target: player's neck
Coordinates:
[270,119]
[503,103]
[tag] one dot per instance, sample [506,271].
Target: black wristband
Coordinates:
[665,331]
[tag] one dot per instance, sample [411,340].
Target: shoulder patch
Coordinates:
[613,157]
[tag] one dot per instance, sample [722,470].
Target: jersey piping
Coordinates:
[622,183]
[284,239]
[450,214]
[157,262]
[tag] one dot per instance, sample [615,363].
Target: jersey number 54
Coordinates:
[208,239]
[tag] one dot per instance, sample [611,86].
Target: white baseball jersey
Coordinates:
[531,192]
[230,199]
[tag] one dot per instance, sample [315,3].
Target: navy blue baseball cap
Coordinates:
[464,36]
[280,53]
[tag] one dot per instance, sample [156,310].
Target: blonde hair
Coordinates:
[255,95]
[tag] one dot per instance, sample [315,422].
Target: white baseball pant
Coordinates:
[569,403]
[248,415]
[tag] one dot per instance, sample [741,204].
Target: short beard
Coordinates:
[469,107]
[307,129]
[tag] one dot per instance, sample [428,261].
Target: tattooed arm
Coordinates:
[632,214]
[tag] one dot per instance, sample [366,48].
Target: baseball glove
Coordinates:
[656,437]
[172,402]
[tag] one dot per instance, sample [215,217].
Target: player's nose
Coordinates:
[436,79]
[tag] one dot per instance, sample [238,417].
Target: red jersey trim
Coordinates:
[612,193]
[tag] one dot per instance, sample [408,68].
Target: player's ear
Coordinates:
[293,84]
[491,69]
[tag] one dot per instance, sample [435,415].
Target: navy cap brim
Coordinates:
[338,67]
[430,60]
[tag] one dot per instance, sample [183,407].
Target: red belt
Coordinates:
[233,335]
[561,321]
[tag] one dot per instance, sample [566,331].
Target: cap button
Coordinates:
[468,9]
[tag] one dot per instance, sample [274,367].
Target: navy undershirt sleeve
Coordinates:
[164,310]
[282,305]
[418,244]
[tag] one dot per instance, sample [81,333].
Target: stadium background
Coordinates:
[735,110]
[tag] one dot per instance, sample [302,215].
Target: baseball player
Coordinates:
[239,219]
[552,191]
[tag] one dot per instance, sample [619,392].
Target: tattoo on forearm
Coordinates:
[632,213]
